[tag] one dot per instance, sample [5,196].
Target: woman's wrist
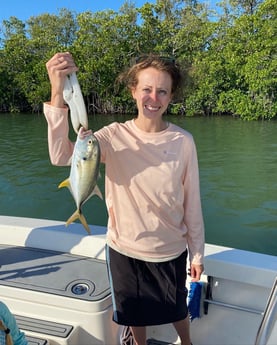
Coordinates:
[57,100]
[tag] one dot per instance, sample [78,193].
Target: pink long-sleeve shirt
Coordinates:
[151,187]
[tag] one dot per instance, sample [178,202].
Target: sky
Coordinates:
[24,9]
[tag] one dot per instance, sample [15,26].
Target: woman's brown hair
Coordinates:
[161,63]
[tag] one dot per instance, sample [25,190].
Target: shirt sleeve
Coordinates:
[59,145]
[193,210]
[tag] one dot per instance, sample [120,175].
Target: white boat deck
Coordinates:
[42,262]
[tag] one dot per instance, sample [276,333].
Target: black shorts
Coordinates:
[147,293]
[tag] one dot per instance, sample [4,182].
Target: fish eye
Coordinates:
[90,141]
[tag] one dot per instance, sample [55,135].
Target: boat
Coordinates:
[54,280]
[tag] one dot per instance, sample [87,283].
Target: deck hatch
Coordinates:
[53,272]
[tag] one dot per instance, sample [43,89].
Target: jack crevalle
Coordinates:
[83,173]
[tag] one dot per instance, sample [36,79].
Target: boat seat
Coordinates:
[42,327]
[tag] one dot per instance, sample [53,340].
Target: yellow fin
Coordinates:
[65,183]
[72,218]
[78,215]
[84,222]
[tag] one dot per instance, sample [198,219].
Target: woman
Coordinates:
[152,196]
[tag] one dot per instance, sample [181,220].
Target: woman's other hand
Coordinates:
[58,67]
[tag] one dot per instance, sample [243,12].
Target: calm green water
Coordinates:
[238,162]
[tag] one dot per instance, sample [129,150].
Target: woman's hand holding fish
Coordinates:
[58,67]
[84,133]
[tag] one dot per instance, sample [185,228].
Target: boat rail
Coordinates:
[269,317]
[231,306]
[210,300]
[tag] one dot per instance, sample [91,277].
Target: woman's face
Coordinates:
[152,93]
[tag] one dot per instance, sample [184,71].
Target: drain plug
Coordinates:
[80,289]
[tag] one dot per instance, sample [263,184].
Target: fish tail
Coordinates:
[72,218]
[84,222]
[79,215]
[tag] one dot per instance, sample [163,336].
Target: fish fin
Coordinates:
[65,183]
[84,222]
[97,191]
[79,215]
[72,218]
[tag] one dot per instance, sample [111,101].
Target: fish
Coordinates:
[84,172]
[73,96]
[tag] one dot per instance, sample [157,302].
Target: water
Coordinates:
[237,163]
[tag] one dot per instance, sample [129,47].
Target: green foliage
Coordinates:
[237,74]
[229,57]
